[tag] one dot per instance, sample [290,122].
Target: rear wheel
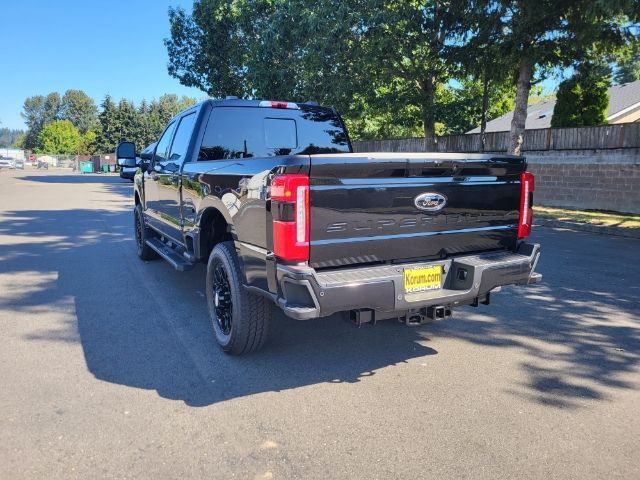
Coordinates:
[240,319]
[142,232]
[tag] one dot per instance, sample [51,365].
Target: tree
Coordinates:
[33,113]
[9,137]
[19,141]
[583,99]
[374,123]
[51,108]
[79,109]
[475,102]
[628,62]
[379,57]
[404,44]
[484,73]
[204,49]
[629,71]
[152,117]
[541,34]
[87,144]
[108,134]
[38,111]
[169,105]
[127,120]
[59,137]
[144,134]
[32,110]
[141,125]
[566,112]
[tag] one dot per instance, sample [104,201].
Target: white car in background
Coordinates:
[6,162]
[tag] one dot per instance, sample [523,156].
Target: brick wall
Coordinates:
[599,180]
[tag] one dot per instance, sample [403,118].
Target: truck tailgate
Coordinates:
[364,206]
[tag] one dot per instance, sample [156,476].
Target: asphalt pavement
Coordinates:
[108,368]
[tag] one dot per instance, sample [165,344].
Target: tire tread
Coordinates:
[255,310]
[147,253]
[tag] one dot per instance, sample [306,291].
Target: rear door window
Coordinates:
[182,139]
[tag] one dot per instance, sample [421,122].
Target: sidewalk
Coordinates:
[604,223]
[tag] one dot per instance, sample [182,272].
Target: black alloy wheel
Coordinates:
[222,301]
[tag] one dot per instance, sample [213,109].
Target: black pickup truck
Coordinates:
[271,197]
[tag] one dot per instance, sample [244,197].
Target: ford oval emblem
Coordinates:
[430,201]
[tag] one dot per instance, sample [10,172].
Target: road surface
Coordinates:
[109,369]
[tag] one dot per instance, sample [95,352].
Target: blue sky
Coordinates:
[98,46]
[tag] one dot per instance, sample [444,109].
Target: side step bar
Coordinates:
[176,260]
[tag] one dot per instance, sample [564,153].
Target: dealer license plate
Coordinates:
[423,279]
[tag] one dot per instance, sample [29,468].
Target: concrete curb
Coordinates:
[587,227]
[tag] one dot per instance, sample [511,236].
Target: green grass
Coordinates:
[594,217]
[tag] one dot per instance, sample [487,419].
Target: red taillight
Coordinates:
[527,186]
[290,211]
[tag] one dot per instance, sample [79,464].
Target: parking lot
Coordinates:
[109,369]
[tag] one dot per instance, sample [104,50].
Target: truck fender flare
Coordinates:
[214,206]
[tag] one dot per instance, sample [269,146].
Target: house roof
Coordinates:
[622,98]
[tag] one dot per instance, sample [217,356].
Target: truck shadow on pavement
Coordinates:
[580,328]
[145,325]
[78,178]
[109,183]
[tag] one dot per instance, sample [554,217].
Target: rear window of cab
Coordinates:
[245,132]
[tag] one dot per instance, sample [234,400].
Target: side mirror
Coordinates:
[125,151]
[143,162]
[146,156]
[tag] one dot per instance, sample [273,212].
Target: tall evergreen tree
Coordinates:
[127,121]
[108,134]
[144,132]
[628,63]
[485,74]
[583,99]
[142,124]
